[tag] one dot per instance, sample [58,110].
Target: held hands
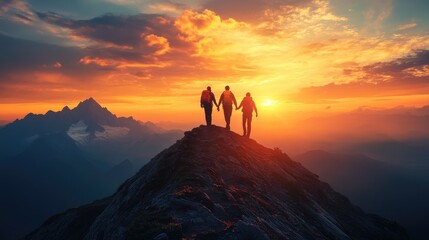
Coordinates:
[218,108]
[256,114]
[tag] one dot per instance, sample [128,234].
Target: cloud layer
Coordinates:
[400,77]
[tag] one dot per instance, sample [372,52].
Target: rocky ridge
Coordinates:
[215,184]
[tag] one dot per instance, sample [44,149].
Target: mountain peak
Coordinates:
[215,184]
[89,103]
[91,111]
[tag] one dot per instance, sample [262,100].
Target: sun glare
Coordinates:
[268,103]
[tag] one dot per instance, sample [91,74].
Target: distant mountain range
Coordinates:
[377,157]
[398,135]
[215,184]
[53,161]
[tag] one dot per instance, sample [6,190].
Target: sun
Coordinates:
[268,103]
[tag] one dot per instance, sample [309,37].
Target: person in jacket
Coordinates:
[248,106]
[227,99]
[206,101]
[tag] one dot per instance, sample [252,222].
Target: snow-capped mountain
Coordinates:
[92,127]
[54,161]
[215,184]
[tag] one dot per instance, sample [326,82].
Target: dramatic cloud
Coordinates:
[401,77]
[396,68]
[139,52]
[161,43]
[193,41]
[119,30]
[42,72]
[419,71]
[23,55]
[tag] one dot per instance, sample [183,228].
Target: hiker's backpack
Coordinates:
[227,97]
[206,96]
[247,104]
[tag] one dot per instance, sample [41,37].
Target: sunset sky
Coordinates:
[151,59]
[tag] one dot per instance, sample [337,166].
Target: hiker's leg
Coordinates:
[225,113]
[227,110]
[244,124]
[210,110]
[249,125]
[207,112]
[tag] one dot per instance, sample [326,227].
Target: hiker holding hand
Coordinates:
[227,99]
[207,100]
[248,106]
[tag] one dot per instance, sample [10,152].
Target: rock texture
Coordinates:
[215,184]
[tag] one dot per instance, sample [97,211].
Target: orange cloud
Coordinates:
[57,65]
[98,61]
[191,22]
[407,76]
[420,71]
[208,32]
[161,43]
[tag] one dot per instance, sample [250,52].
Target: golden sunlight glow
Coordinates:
[268,103]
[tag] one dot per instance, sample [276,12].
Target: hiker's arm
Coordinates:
[233,99]
[241,104]
[214,99]
[220,101]
[256,110]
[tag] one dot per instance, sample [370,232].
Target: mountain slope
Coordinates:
[214,184]
[369,183]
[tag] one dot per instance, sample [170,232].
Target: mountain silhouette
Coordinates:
[51,162]
[20,133]
[215,184]
[88,123]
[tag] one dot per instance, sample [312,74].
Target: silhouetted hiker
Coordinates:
[226,99]
[207,99]
[248,106]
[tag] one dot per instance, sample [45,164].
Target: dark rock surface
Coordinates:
[215,184]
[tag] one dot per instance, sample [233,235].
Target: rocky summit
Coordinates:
[215,184]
